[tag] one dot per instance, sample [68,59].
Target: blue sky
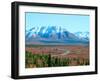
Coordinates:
[73,23]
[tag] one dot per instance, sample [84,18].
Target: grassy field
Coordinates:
[55,56]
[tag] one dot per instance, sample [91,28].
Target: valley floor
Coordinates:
[55,56]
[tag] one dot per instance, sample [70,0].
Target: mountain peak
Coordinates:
[54,33]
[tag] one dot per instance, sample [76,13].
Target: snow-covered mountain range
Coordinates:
[55,35]
[82,35]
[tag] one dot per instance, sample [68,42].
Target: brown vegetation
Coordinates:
[77,55]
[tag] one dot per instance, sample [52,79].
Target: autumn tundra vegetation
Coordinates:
[56,56]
